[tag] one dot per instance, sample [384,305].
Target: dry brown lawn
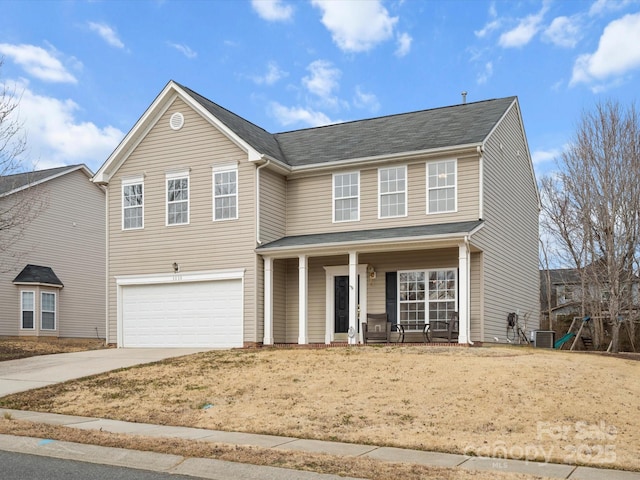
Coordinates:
[525,403]
[12,348]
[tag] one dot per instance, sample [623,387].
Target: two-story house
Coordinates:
[222,234]
[52,262]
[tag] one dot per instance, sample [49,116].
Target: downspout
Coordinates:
[106,265]
[468,289]
[258,239]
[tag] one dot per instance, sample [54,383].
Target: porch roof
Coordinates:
[376,237]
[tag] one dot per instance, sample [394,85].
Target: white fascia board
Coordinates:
[149,119]
[136,134]
[369,161]
[383,244]
[252,154]
[158,278]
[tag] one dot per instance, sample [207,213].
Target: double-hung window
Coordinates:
[441,186]
[27,310]
[225,193]
[178,198]
[392,189]
[48,311]
[426,295]
[346,197]
[132,204]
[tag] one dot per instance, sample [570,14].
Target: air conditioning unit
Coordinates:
[544,338]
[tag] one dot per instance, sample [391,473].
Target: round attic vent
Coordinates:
[176,121]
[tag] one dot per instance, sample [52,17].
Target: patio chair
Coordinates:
[448,329]
[377,328]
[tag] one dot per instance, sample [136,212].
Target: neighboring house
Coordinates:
[222,234]
[52,279]
[566,293]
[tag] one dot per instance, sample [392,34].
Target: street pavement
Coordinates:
[217,469]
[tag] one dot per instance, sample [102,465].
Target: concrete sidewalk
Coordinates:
[39,371]
[216,469]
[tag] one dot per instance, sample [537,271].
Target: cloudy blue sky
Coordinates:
[85,71]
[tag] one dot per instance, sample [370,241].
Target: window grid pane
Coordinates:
[28,306]
[420,303]
[225,194]
[48,311]
[132,201]
[393,198]
[346,191]
[441,188]
[177,201]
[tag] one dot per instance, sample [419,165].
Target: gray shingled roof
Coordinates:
[9,183]
[464,124]
[460,228]
[38,274]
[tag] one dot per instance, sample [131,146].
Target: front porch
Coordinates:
[316,293]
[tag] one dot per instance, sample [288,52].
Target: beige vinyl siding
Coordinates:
[69,237]
[280,301]
[509,238]
[203,244]
[309,200]
[476,300]
[273,188]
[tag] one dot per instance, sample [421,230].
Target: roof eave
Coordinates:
[383,244]
[372,160]
[83,168]
[151,115]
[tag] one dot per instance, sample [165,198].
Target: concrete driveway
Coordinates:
[34,372]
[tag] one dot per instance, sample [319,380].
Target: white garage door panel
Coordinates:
[191,314]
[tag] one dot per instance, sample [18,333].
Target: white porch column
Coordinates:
[464,289]
[268,301]
[302,300]
[353,298]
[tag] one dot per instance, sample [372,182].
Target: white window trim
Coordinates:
[127,183]
[455,185]
[333,197]
[22,310]
[224,169]
[426,272]
[406,192]
[55,311]
[176,176]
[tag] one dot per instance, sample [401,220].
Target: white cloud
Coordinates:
[491,25]
[404,44]
[603,6]
[563,31]
[525,30]
[544,156]
[486,74]
[323,79]
[56,137]
[295,115]
[38,62]
[184,49]
[107,33]
[274,73]
[616,55]
[272,10]
[366,100]
[356,26]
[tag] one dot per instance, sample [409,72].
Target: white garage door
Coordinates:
[190,314]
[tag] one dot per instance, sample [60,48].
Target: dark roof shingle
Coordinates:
[9,183]
[38,274]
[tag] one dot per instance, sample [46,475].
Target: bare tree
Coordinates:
[592,207]
[22,206]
